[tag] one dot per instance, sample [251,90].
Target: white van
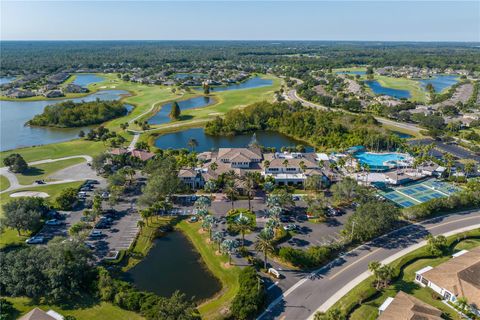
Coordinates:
[275,273]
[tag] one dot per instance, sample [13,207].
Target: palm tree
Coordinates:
[462,303]
[217,238]
[266,164]
[249,186]
[231,191]
[242,225]
[202,213]
[285,163]
[192,143]
[214,166]
[146,214]
[202,202]
[469,167]
[264,243]
[229,247]
[140,224]
[449,162]
[208,223]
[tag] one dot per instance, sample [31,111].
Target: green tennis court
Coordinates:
[419,192]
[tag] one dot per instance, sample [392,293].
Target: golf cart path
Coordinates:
[15,184]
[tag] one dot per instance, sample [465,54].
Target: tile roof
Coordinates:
[37,314]
[407,307]
[459,275]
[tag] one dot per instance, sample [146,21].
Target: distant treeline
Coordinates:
[300,55]
[72,114]
[322,129]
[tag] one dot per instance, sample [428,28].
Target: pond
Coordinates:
[5,80]
[173,264]
[440,82]
[402,134]
[14,115]
[178,140]
[162,116]
[360,73]
[183,75]
[255,82]
[377,88]
[84,79]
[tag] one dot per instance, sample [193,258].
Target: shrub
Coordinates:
[309,258]
[458,201]
[250,297]
[66,199]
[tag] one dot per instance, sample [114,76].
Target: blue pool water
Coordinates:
[377,88]
[162,116]
[440,82]
[376,160]
[84,79]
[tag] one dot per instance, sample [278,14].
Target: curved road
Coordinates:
[12,178]
[293,96]
[327,285]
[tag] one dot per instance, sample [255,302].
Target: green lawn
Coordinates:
[42,171]
[57,150]
[92,311]
[369,309]
[212,309]
[10,236]
[4,183]
[416,90]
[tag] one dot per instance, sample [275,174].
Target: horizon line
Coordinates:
[247,40]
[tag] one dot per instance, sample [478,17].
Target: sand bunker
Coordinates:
[29,194]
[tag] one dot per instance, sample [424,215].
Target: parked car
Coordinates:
[296,198]
[291,227]
[96,234]
[193,219]
[39,182]
[35,240]
[90,245]
[82,194]
[285,219]
[53,222]
[105,195]
[92,181]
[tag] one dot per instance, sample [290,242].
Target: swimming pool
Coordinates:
[380,161]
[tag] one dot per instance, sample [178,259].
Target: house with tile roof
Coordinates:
[456,278]
[406,307]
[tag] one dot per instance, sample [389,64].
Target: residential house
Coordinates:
[53,94]
[74,88]
[140,154]
[406,307]
[457,278]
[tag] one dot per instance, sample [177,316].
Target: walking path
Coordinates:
[15,184]
[324,287]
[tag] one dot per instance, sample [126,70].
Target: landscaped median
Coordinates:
[363,301]
[216,307]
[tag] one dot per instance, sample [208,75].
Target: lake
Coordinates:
[178,140]
[5,80]
[182,75]
[173,264]
[255,82]
[162,115]
[440,82]
[14,114]
[402,134]
[84,79]
[377,88]
[360,73]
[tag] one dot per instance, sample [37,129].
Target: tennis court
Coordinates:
[419,192]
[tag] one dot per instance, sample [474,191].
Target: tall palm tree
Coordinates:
[229,247]
[140,224]
[217,237]
[264,243]
[192,143]
[242,225]
[231,191]
[249,186]
[208,223]
[462,303]
[449,162]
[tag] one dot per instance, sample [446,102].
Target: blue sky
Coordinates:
[241,20]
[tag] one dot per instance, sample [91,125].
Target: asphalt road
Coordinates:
[330,283]
[293,96]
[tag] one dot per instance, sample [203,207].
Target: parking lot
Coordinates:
[118,236]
